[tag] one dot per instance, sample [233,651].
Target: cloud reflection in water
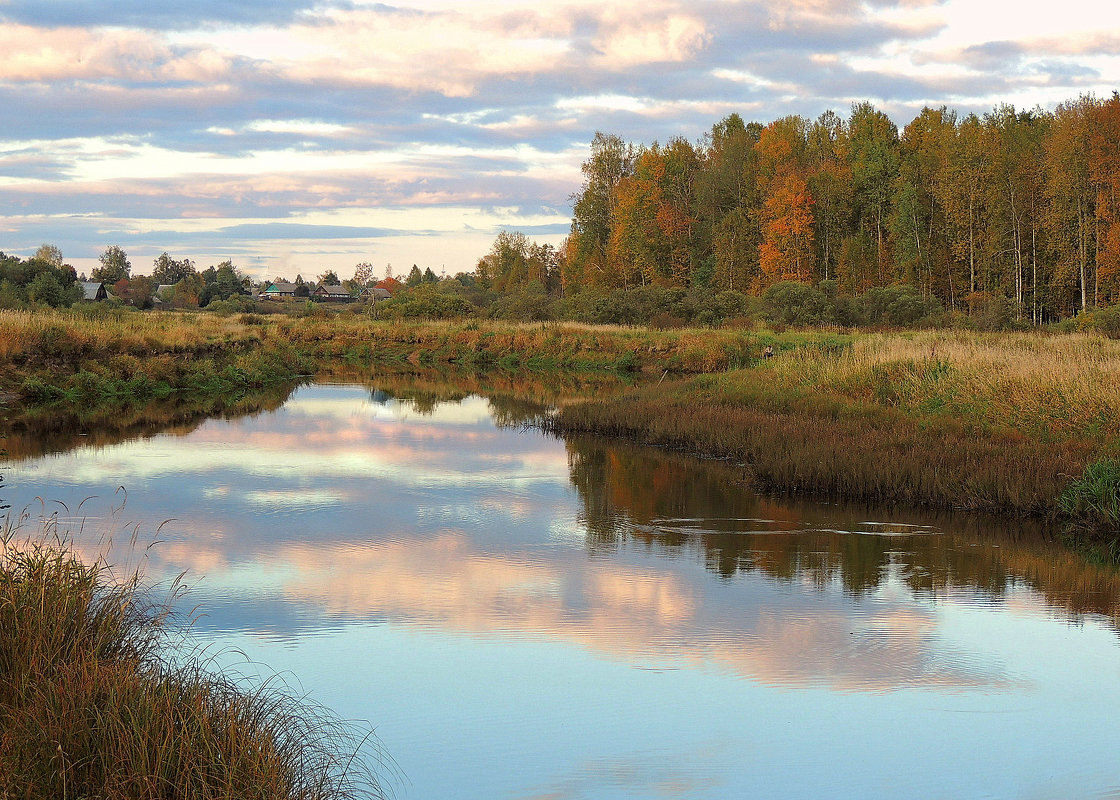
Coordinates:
[347,507]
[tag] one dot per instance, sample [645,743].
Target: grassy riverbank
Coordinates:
[1002,422]
[95,702]
[1020,423]
[81,356]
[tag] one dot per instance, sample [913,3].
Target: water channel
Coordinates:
[524,617]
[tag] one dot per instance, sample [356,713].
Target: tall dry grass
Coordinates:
[182,349]
[1051,385]
[83,332]
[879,456]
[94,703]
[996,421]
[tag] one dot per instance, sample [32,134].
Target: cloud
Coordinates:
[42,55]
[249,112]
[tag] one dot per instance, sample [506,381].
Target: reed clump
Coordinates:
[1092,503]
[874,454]
[94,704]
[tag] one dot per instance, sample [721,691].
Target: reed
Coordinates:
[95,703]
[1092,504]
[71,356]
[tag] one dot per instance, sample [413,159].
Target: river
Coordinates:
[523,617]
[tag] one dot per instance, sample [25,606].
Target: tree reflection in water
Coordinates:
[639,497]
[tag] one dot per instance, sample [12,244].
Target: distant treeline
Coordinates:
[1020,209]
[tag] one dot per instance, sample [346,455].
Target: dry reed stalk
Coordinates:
[93,703]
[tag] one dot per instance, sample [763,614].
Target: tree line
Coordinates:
[1020,209]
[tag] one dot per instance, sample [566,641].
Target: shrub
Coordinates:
[791,303]
[1104,320]
[664,322]
[47,290]
[427,300]
[525,304]
[989,311]
[899,306]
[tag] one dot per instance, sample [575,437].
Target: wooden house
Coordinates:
[335,294]
[375,294]
[278,291]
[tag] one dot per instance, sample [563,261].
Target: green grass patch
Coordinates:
[1092,501]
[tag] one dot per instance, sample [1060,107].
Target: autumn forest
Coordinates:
[1016,207]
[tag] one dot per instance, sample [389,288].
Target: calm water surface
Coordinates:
[523,617]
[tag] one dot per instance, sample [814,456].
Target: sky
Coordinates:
[294,136]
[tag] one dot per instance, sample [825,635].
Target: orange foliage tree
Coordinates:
[786,252]
[650,240]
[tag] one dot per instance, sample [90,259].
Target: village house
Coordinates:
[162,293]
[93,291]
[375,294]
[278,291]
[336,294]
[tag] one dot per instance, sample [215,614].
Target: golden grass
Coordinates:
[1052,387]
[993,421]
[67,333]
[95,703]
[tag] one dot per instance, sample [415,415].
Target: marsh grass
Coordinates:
[73,356]
[96,702]
[1091,503]
[1051,387]
[875,455]
[969,420]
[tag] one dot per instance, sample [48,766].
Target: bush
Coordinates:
[36,390]
[988,311]
[1104,320]
[525,304]
[642,305]
[664,322]
[791,303]
[10,295]
[47,290]
[426,300]
[900,306]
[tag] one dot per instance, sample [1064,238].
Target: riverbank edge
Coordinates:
[55,356]
[880,456]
